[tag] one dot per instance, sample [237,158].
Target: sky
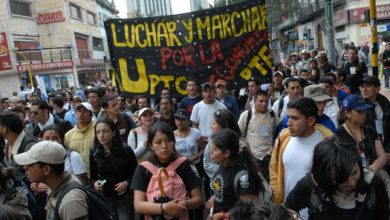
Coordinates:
[178,6]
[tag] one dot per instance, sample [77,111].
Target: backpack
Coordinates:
[98,206]
[248,118]
[281,104]
[173,185]
[265,192]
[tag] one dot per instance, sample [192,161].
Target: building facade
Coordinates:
[148,8]
[62,41]
[296,25]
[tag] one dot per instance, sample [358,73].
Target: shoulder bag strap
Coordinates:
[248,118]
[149,166]
[68,187]
[175,164]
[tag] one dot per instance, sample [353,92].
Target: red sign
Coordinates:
[357,15]
[51,17]
[45,66]
[5,59]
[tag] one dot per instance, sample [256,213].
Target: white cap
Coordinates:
[49,152]
[85,105]
[142,111]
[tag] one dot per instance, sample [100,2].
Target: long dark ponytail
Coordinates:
[227,139]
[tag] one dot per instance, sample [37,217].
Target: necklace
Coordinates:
[355,137]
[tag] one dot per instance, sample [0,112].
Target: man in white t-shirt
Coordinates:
[202,113]
[293,151]
[294,90]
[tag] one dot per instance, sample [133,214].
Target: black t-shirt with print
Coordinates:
[186,171]
[222,184]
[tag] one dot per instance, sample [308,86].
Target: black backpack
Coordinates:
[98,206]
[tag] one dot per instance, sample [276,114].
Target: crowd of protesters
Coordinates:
[312,144]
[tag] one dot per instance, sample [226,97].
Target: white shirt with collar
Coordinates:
[49,121]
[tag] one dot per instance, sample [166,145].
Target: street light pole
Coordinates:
[330,45]
[374,54]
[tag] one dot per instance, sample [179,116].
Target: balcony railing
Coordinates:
[44,55]
[316,7]
[85,54]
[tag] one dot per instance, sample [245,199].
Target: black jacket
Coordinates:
[65,125]
[353,79]
[307,193]
[371,117]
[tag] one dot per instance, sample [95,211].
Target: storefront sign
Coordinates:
[340,18]
[51,17]
[5,59]
[45,66]
[89,62]
[357,15]
[229,43]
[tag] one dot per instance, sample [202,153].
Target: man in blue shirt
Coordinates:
[228,100]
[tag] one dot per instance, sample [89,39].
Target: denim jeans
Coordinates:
[123,205]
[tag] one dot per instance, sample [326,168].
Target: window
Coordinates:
[75,11]
[97,44]
[91,18]
[82,46]
[20,8]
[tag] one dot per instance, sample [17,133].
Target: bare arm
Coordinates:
[381,159]
[143,207]
[195,201]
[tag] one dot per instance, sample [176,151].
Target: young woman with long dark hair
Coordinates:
[161,142]
[237,176]
[338,187]
[112,167]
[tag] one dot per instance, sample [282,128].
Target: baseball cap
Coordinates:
[322,54]
[294,54]
[370,80]
[305,52]
[278,73]
[86,105]
[317,93]
[49,152]
[220,82]
[207,85]
[355,102]
[181,113]
[144,110]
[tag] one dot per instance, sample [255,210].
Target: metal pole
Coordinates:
[374,54]
[28,65]
[330,45]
